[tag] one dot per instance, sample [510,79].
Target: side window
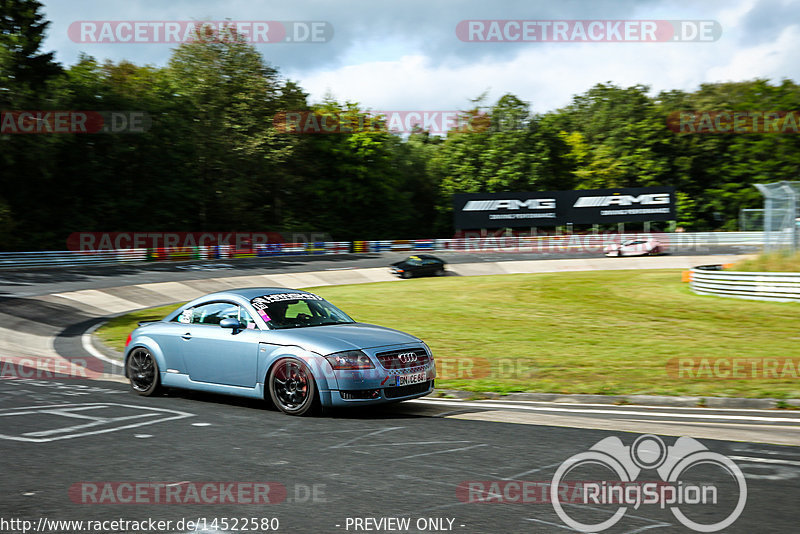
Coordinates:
[214,312]
[245,318]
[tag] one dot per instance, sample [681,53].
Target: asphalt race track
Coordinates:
[406,461]
[54,280]
[89,450]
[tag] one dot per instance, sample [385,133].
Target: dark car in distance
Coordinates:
[419,265]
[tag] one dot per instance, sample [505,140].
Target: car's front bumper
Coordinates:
[387,381]
[361,397]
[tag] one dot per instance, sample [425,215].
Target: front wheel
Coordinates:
[292,387]
[143,373]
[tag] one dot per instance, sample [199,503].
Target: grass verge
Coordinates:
[779,261]
[603,332]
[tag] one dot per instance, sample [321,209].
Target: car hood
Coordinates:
[336,338]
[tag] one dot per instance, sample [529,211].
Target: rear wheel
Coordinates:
[143,373]
[292,387]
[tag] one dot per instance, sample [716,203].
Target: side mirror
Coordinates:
[231,322]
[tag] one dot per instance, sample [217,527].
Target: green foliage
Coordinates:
[213,158]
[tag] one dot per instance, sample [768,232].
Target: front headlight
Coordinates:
[349,360]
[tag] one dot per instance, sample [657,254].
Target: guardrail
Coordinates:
[712,280]
[70,258]
[593,243]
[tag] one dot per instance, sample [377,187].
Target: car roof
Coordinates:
[250,293]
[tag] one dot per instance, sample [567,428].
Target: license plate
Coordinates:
[407,380]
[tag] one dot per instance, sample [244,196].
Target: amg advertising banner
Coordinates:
[472,211]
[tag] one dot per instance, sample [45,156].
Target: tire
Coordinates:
[143,374]
[405,274]
[440,272]
[292,388]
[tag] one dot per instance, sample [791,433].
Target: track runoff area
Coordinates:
[89,452]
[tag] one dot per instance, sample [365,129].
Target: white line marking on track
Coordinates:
[375,433]
[631,406]
[608,412]
[441,452]
[764,460]
[170,415]
[86,342]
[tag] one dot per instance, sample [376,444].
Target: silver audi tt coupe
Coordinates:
[288,346]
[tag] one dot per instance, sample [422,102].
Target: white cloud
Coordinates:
[764,60]
[548,75]
[406,56]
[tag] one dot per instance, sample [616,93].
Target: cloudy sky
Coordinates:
[392,55]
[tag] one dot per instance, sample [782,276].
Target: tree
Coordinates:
[232,95]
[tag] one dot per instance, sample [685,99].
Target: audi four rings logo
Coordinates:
[407,357]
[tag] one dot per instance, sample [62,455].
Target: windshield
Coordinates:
[296,310]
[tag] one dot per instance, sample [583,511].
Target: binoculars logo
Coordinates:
[648,452]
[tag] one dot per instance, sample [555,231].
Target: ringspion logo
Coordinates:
[674,491]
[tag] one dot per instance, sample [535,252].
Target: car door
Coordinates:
[431,266]
[168,338]
[414,265]
[221,355]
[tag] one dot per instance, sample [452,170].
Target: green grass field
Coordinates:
[605,332]
[778,261]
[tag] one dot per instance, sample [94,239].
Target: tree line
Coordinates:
[214,158]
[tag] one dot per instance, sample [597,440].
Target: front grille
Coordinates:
[404,391]
[393,359]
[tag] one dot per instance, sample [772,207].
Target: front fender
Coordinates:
[149,344]
[319,366]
